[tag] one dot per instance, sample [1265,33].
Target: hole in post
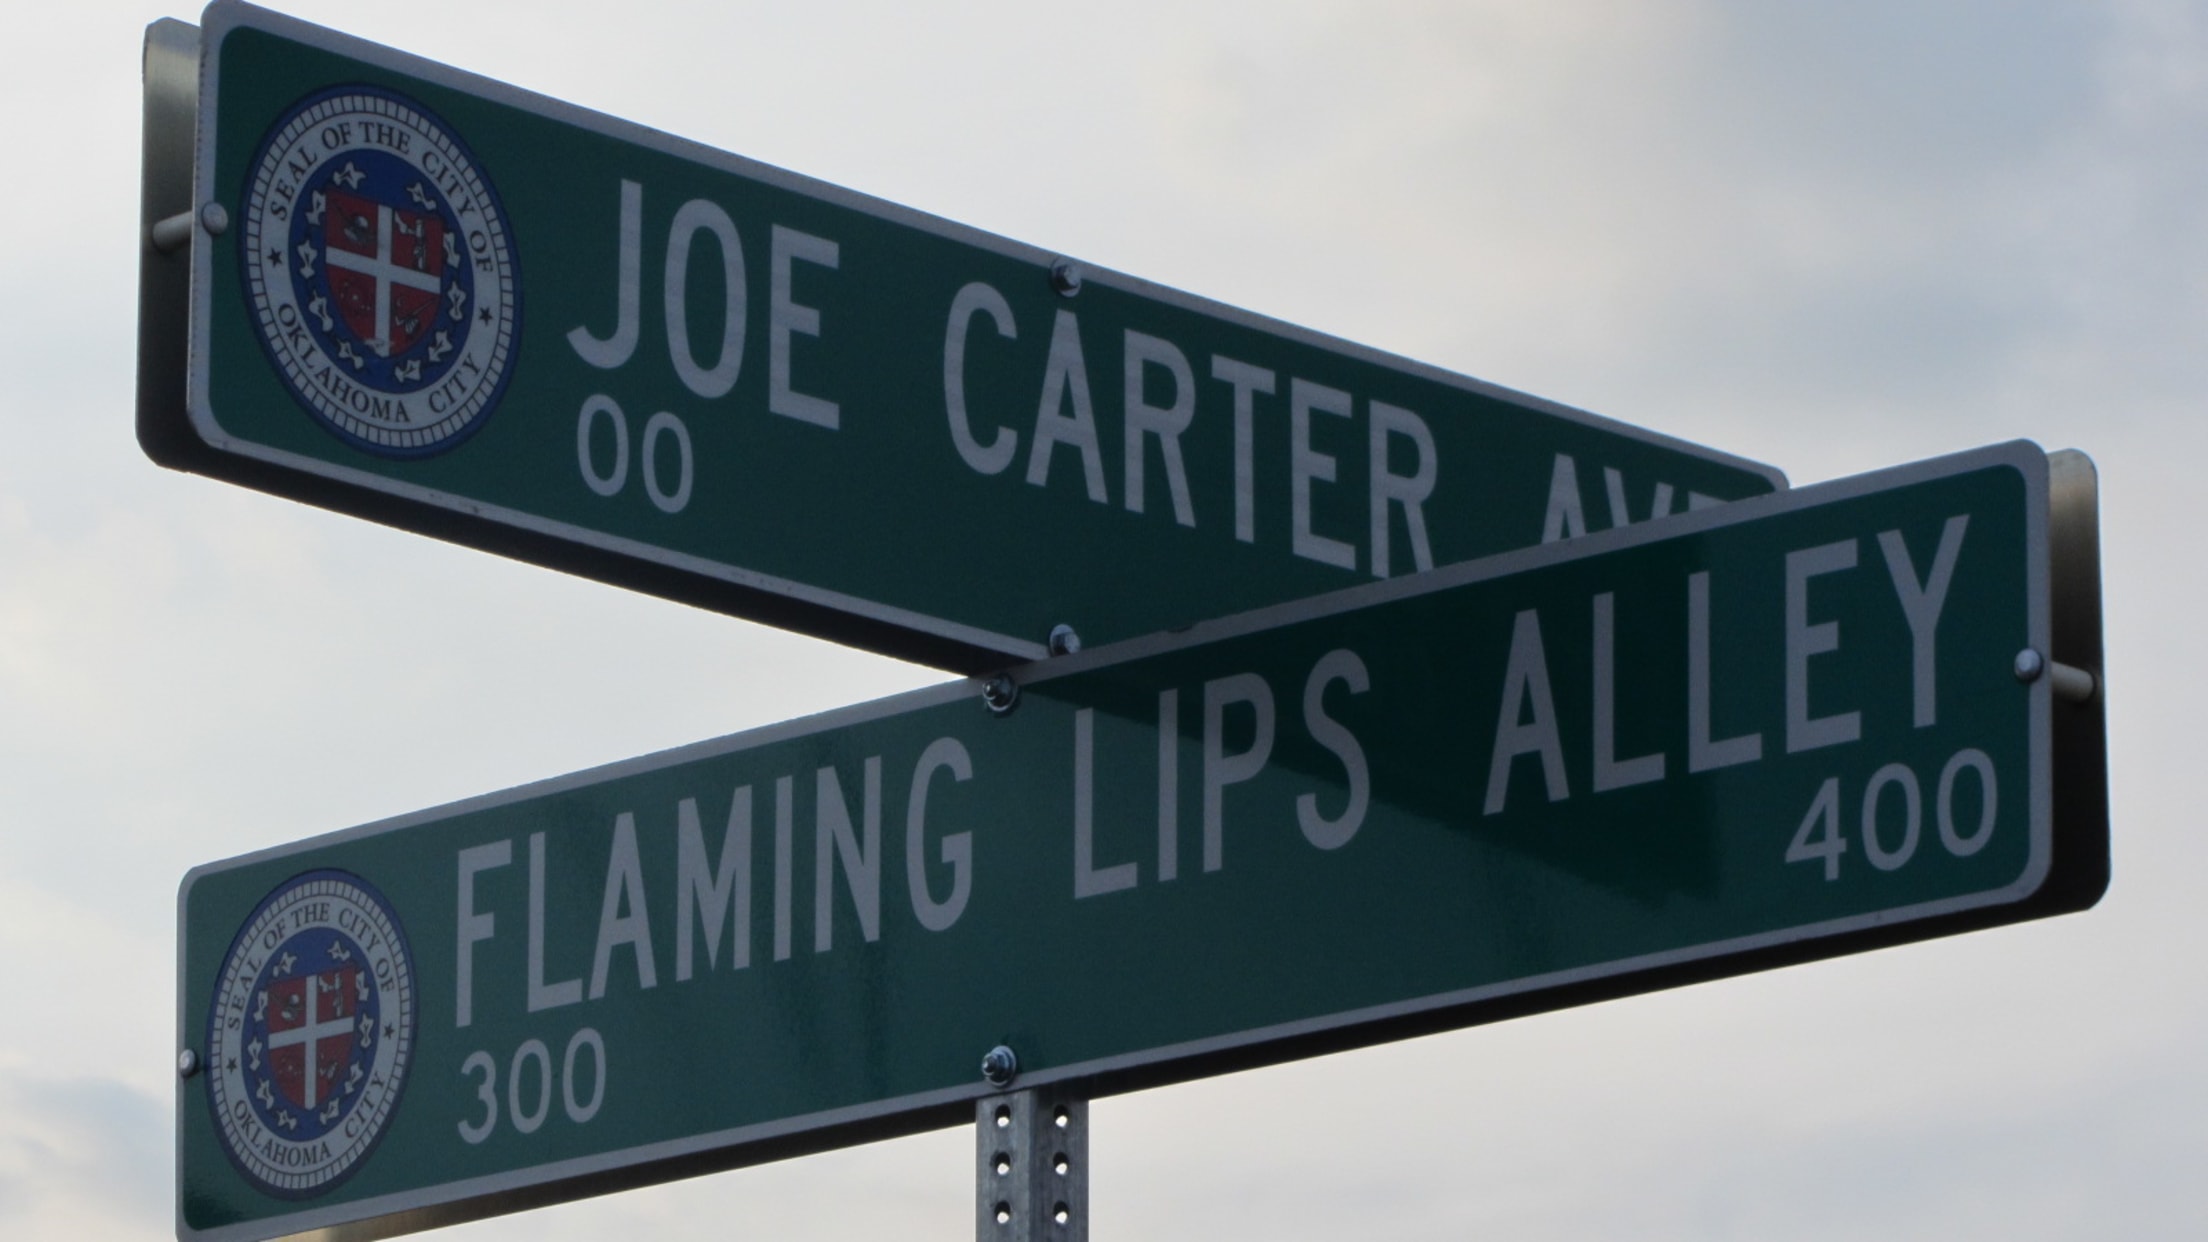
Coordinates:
[1004,1213]
[1004,1116]
[1060,1164]
[1060,1213]
[1003,1163]
[1063,1117]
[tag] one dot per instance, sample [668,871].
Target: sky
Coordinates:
[1827,237]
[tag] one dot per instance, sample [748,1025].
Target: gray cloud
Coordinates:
[83,1157]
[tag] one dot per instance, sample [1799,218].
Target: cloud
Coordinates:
[81,1158]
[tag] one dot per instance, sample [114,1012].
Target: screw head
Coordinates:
[1001,693]
[215,219]
[1065,277]
[1063,641]
[2029,665]
[999,1066]
[187,1063]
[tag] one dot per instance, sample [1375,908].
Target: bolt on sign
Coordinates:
[387,287]
[1805,724]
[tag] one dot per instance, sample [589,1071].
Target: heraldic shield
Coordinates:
[380,268]
[311,1031]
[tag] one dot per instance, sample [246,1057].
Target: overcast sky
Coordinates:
[1827,236]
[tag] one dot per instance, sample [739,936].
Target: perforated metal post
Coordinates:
[1032,1175]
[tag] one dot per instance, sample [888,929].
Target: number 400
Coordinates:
[1819,839]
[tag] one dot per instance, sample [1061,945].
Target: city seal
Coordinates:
[310,1034]
[379,266]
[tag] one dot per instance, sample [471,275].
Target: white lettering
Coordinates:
[956,849]
[1804,640]
[1613,483]
[609,352]
[1066,374]
[695,216]
[1566,518]
[658,425]
[542,995]
[1612,772]
[1912,816]
[624,887]
[1921,604]
[612,480]
[1981,763]
[1703,754]
[1344,666]
[473,926]
[577,1111]
[1526,683]
[1222,769]
[1306,464]
[707,894]
[1408,492]
[1246,381]
[860,854]
[993,457]
[1088,879]
[785,316]
[530,1050]
[1165,422]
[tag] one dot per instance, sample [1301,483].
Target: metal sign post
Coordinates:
[387,287]
[1805,724]
[1032,1175]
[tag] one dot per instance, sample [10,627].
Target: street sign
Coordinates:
[449,305]
[1806,724]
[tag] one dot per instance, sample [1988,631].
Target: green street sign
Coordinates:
[390,288]
[1806,724]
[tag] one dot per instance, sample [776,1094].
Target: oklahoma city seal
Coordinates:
[380,270]
[310,1035]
